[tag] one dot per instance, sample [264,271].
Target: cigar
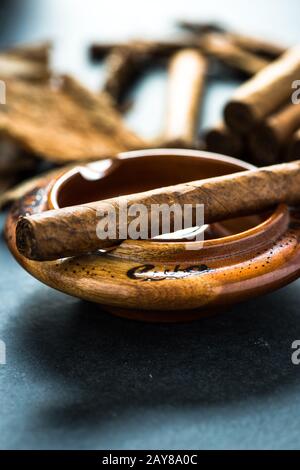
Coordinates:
[71,231]
[187,74]
[264,93]
[212,43]
[268,138]
[218,46]
[123,66]
[268,49]
[292,152]
[222,140]
[154,49]
[126,62]
[201,27]
[59,135]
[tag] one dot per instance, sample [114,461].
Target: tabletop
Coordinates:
[78,378]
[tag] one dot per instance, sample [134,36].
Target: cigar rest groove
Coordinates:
[155,280]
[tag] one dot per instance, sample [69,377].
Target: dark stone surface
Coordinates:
[78,378]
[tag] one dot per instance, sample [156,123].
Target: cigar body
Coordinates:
[264,93]
[253,44]
[123,65]
[147,48]
[218,46]
[126,62]
[222,140]
[268,139]
[187,74]
[266,48]
[73,230]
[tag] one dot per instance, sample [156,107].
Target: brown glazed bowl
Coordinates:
[155,280]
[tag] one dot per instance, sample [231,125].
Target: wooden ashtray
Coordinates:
[158,280]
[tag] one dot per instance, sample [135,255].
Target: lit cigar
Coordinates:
[187,74]
[293,148]
[222,140]
[73,230]
[264,93]
[269,137]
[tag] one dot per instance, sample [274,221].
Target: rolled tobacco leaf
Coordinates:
[264,93]
[269,137]
[222,140]
[186,81]
[73,230]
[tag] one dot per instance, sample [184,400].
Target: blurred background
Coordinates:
[73,25]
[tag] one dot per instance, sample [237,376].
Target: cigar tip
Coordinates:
[239,116]
[223,141]
[25,239]
[264,145]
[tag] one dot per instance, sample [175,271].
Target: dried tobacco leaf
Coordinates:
[64,121]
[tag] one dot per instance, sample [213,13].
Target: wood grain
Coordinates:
[64,122]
